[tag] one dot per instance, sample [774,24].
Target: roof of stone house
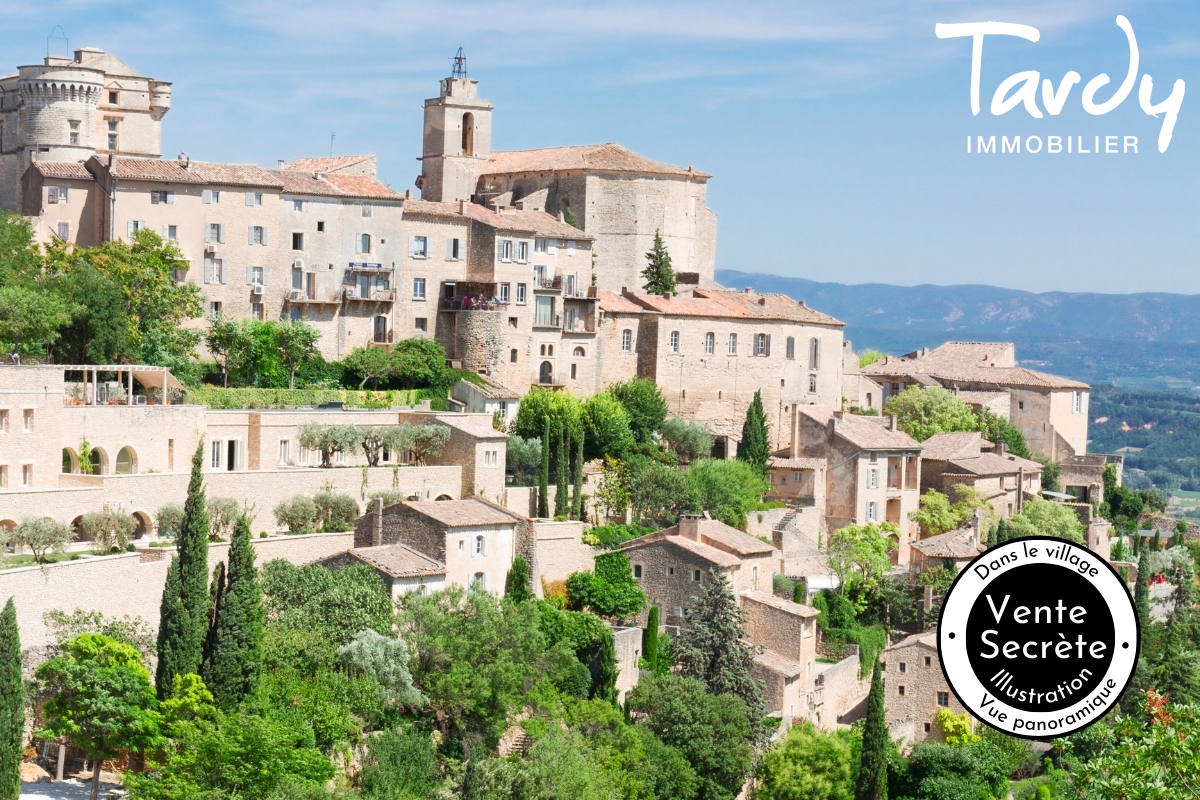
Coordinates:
[610,157]
[782,604]
[927,638]
[994,464]
[704,551]
[937,372]
[981,398]
[399,560]
[945,446]
[151,169]
[723,537]
[63,169]
[477,425]
[777,664]
[868,433]
[732,305]
[463,513]
[968,354]
[953,544]
[538,223]
[616,304]
[326,164]
[779,462]
[490,389]
[235,174]
[351,186]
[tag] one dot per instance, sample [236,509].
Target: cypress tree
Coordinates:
[516,586]
[562,471]
[570,218]
[234,658]
[659,274]
[1157,541]
[1141,594]
[755,446]
[577,489]
[604,682]
[1001,535]
[872,774]
[184,612]
[543,504]
[650,639]
[12,705]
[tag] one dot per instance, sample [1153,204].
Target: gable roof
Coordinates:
[112,66]
[610,157]
[950,371]
[463,513]
[235,174]
[537,223]
[149,169]
[927,638]
[994,464]
[616,304]
[865,433]
[70,170]
[778,462]
[399,560]
[707,552]
[957,544]
[733,305]
[945,446]
[717,534]
[326,164]
[779,603]
[351,186]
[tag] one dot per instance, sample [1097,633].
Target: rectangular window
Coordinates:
[814,354]
[3,420]
[504,292]
[674,345]
[454,249]
[872,510]
[27,474]
[215,270]
[27,420]
[539,246]
[812,384]
[297,241]
[570,247]
[256,311]
[3,477]
[928,661]
[762,344]
[112,141]
[573,371]
[214,308]
[320,226]
[695,576]
[637,571]
[216,455]
[710,342]
[171,233]
[210,196]
[297,205]
[302,456]
[418,288]
[165,198]
[627,340]
[900,690]
[254,198]
[133,226]
[257,275]
[872,479]
[112,98]
[257,235]
[366,209]
[285,451]
[545,311]
[64,231]
[522,252]
[1077,403]
[74,137]
[504,249]
[733,344]
[520,294]
[903,667]
[943,699]
[418,247]
[421,323]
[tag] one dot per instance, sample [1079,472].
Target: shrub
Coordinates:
[389,497]
[336,512]
[108,529]
[169,519]
[298,515]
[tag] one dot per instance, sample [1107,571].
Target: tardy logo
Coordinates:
[1038,637]
[1026,85]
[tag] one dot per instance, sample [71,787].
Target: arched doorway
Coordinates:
[8,526]
[77,528]
[468,134]
[126,462]
[546,373]
[143,525]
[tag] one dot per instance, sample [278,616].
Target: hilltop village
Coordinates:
[512,420]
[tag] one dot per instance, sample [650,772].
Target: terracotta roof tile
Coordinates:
[780,665]
[535,223]
[609,157]
[72,170]
[723,537]
[348,186]
[954,544]
[326,164]
[768,599]
[616,304]
[927,638]
[463,513]
[362,186]
[704,551]
[733,305]
[945,446]
[250,175]
[777,462]
[152,169]
[399,560]
[863,432]
[994,464]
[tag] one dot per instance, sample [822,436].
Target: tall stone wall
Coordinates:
[479,339]
[841,688]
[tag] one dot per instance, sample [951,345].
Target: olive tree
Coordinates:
[108,529]
[42,536]
[329,440]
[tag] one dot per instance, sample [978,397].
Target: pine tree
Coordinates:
[604,682]
[872,774]
[562,472]
[184,612]
[543,503]
[234,659]
[1141,594]
[659,274]
[650,639]
[516,586]
[755,446]
[577,489]
[12,705]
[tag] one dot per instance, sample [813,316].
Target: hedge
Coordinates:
[218,397]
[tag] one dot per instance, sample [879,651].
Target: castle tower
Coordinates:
[457,138]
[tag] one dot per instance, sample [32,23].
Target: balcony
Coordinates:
[585,324]
[299,297]
[470,304]
[365,266]
[548,285]
[352,293]
[548,322]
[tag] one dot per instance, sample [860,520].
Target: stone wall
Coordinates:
[908,714]
[131,584]
[561,551]
[841,688]
[628,644]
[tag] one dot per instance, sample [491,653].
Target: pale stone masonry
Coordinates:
[964,459]
[915,688]
[787,632]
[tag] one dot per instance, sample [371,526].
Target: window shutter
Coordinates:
[249,198]
[817,359]
[208,270]
[264,276]
[224,271]
[170,198]
[485,546]
[208,233]
[450,248]
[264,241]
[249,274]
[412,244]
[129,228]
[52,194]
[249,234]
[221,233]
[768,344]
[165,236]
[552,245]
[206,197]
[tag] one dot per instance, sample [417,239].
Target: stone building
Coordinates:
[787,664]
[965,459]
[873,472]
[672,565]
[620,198]
[68,109]
[952,550]
[915,688]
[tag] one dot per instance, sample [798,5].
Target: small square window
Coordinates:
[512,322]
[113,97]
[320,226]
[112,126]
[214,308]
[670,571]
[637,571]
[297,241]
[900,690]
[943,699]
[903,667]
[297,205]
[695,576]
[512,356]
[421,323]
[1020,405]
[927,727]
[928,661]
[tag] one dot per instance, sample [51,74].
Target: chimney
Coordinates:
[666,295]
[892,422]
[561,218]
[280,163]
[408,194]
[803,304]
[689,526]
[462,207]
[377,522]
[749,290]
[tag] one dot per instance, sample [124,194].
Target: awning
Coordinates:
[1059,495]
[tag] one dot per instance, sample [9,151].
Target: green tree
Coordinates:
[609,591]
[644,403]
[872,782]
[234,658]
[650,639]
[226,340]
[108,529]
[570,218]
[400,764]
[12,705]
[296,343]
[711,731]
[329,440]
[562,470]
[689,440]
[543,501]
[712,647]
[658,272]
[869,357]
[370,365]
[543,405]
[42,536]
[98,696]
[184,613]
[858,554]
[998,430]
[606,427]
[335,605]
[755,445]
[1141,592]
[523,456]
[656,491]
[729,489]
[577,482]
[99,329]
[673,776]
[604,684]
[517,584]
[30,320]
[1046,518]
[420,363]
[935,516]
[384,658]
[923,412]
[808,765]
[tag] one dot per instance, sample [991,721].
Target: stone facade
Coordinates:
[787,665]
[964,459]
[915,688]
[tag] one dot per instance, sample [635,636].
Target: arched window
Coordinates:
[546,373]
[733,344]
[710,343]
[791,348]
[814,353]
[97,459]
[126,462]
[69,463]
[479,581]
[468,134]
[579,352]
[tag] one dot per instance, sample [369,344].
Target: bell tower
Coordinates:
[457,138]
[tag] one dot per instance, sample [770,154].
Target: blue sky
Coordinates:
[836,132]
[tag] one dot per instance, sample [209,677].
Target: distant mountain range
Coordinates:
[1149,340]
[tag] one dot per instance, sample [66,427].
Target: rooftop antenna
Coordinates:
[66,41]
[332,136]
[460,65]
